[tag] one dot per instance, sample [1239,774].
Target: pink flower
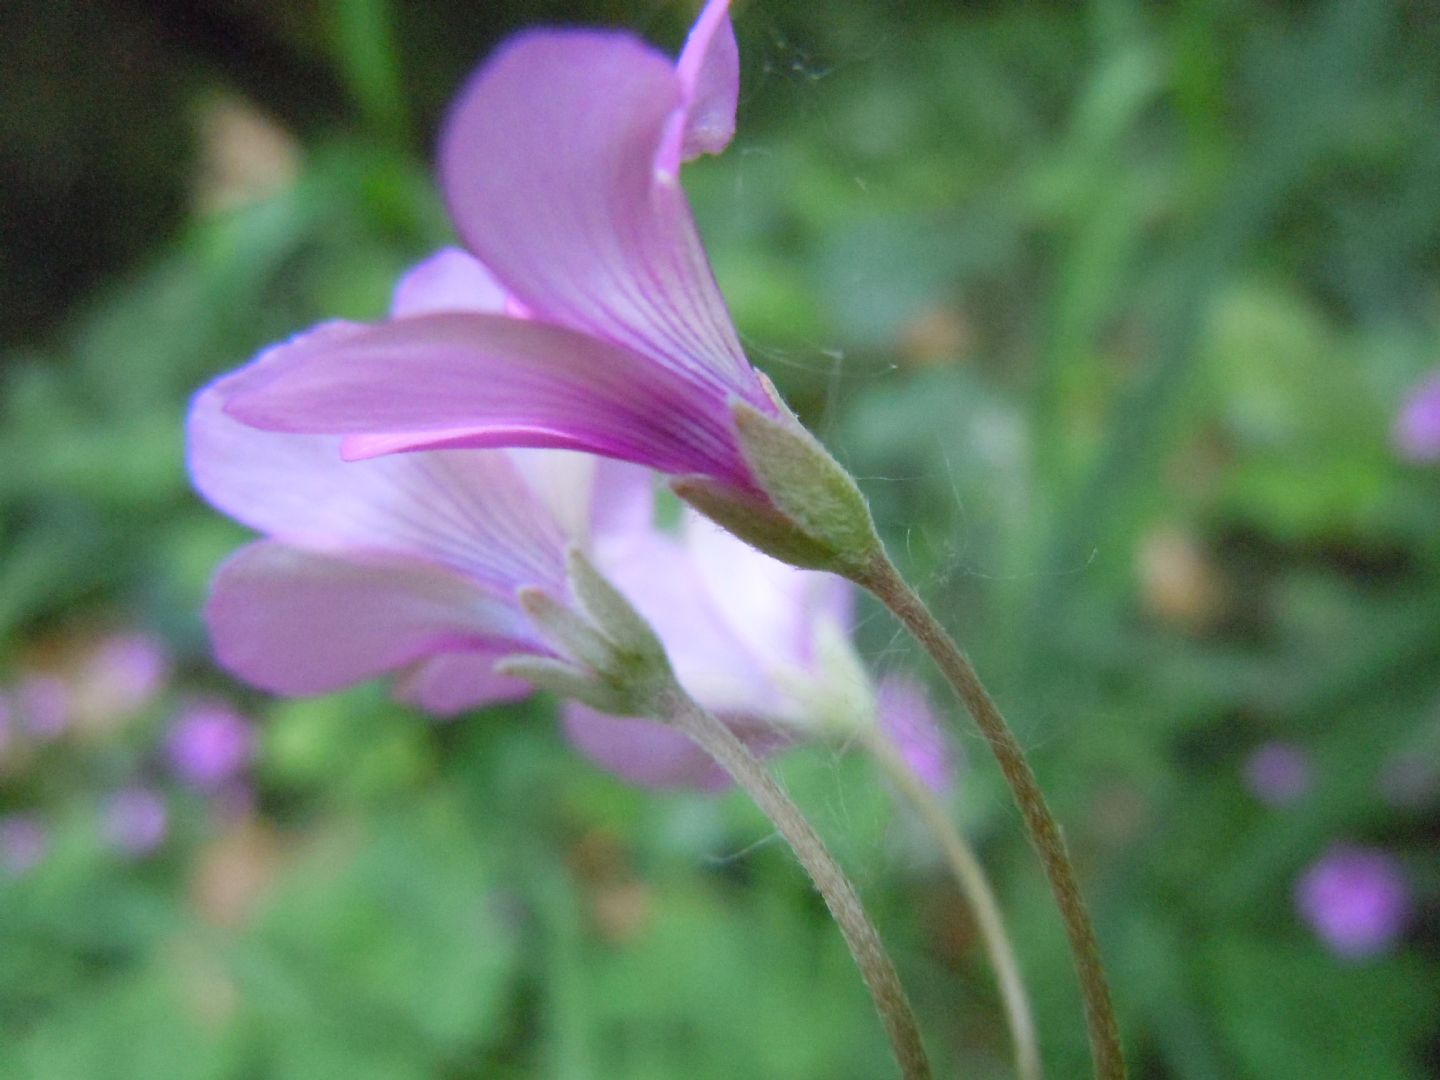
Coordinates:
[412,565]
[1356,899]
[407,564]
[585,315]
[1417,428]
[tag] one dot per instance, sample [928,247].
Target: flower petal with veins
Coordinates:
[551,165]
[294,622]
[472,513]
[486,381]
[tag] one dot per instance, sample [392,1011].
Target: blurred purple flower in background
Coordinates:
[1278,773]
[1417,428]
[23,843]
[210,744]
[43,704]
[1356,899]
[135,821]
[123,674]
[905,715]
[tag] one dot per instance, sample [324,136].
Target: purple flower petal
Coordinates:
[470,512]
[560,162]
[1417,428]
[485,381]
[740,628]
[1356,899]
[294,622]
[587,495]
[452,683]
[905,716]
[774,607]
[555,165]
[451,281]
[642,752]
[448,282]
[718,668]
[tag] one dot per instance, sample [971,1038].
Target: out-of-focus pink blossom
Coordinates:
[43,703]
[905,716]
[590,318]
[1356,899]
[1417,428]
[210,744]
[123,674]
[24,840]
[1278,773]
[135,821]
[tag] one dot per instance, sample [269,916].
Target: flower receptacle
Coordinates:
[812,513]
[612,659]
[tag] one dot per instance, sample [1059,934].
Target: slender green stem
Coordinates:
[970,877]
[860,935]
[882,579]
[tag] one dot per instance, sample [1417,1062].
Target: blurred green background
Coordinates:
[1111,307]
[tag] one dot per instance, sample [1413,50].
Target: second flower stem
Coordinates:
[885,582]
[970,877]
[717,740]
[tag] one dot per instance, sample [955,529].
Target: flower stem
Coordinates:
[860,935]
[970,877]
[885,582]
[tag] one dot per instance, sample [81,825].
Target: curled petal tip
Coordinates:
[709,72]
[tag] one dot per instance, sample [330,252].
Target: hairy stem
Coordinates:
[882,579]
[860,935]
[970,877]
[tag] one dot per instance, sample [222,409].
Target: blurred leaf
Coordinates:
[1298,1013]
